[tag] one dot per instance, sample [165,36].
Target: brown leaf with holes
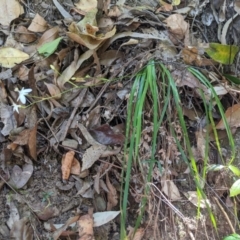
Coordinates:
[67,161]
[232,116]
[105,135]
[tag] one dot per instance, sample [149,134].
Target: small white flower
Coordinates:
[15,107]
[22,93]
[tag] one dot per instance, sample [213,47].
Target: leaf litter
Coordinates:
[73,67]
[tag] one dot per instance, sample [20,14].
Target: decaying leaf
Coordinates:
[9,57]
[67,161]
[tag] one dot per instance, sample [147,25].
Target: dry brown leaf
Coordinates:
[91,155]
[23,35]
[72,68]
[53,90]
[139,234]
[75,168]
[177,25]
[32,143]
[9,57]
[232,116]
[28,137]
[9,10]
[109,57]
[105,135]
[191,56]
[111,195]
[85,226]
[60,230]
[171,190]
[67,161]
[48,36]
[38,24]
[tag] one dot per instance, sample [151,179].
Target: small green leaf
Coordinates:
[49,48]
[232,78]
[235,170]
[232,237]
[224,54]
[235,189]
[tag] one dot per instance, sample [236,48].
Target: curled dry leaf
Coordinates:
[76,168]
[85,226]
[85,31]
[67,161]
